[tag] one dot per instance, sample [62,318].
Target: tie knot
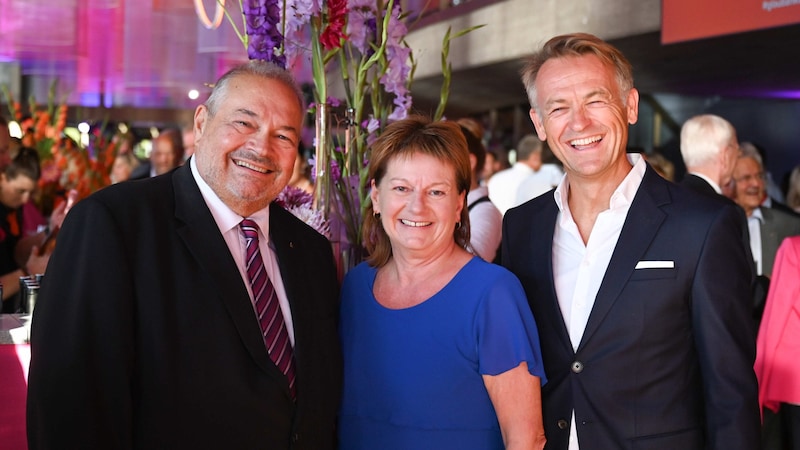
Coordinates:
[249,229]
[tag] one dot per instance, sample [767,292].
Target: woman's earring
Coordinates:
[376,215]
[458,225]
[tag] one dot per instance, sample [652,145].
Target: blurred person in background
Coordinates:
[19,253]
[5,143]
[124,165]
[793,190]
[484,218]
[661,165]
[768,227]
[504,187]
[166,154]
[777,363]
[301,176]
[490,167]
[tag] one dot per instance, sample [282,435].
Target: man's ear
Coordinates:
[200,119]
[538,124]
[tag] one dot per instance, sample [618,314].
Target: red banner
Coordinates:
[685,20]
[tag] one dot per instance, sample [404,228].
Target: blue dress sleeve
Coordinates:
[507,333]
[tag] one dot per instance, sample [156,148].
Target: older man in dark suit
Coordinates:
[640,288]
[768,227]
[188,310]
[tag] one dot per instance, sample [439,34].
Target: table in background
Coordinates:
[15,355]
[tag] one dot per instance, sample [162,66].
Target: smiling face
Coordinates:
[163,157]
[749,185]
[246,150]
[419,203]
[584,118]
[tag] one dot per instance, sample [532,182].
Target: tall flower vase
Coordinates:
[323,185]
[327,197]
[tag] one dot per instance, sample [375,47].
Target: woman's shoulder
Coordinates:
[477,266]
[362,271]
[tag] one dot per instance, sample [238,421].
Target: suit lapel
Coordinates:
[283,240]
[200,234]
[640,228]
[769,233]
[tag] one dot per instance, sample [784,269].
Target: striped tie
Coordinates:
[268,309]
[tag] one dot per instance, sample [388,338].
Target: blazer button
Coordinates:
[295,437]
[577,367]
[562,424]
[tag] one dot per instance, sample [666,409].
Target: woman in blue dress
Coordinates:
[440,348]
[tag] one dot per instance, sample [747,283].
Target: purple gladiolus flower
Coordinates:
[262,19]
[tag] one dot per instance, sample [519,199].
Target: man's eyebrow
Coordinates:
[246,112]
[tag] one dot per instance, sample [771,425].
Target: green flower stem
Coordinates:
[242,35]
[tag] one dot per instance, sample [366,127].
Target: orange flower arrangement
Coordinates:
[65,163]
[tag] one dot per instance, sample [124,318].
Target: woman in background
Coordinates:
[440,348]
[778,346]
[793,191]
[19,255]
[301,177]
[123,166]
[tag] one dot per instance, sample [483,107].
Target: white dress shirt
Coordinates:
[579,269]
[228,223]
[503,186]
[485,225]
[537,183]
[754,222]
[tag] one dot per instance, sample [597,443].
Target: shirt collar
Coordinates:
[225,218]
[622,196]
[709,181]
[756,214]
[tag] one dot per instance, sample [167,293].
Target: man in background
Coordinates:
[166,154]
[710,149]
[506,186]
[767,226]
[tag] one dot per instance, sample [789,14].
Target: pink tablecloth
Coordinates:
[13,391]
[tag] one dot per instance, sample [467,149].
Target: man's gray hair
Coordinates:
[257,68]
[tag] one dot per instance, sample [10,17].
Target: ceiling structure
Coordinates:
[150,53]
[759,64]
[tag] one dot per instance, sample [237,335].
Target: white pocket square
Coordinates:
[655,265]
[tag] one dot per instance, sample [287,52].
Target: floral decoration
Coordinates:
[65,163]
[360,46]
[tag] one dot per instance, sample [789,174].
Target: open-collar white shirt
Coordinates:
[578,269]
[228,224]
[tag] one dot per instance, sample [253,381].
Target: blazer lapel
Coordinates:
[200,234]
[283,240]
[641,225]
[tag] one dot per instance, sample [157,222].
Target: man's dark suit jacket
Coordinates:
[700,185]
[666,360]
[142,171]
[145,336]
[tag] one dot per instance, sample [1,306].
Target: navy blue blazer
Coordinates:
[145,336]
[666,360]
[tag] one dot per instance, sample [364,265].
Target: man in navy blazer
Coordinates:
[145,334]
[640,288]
